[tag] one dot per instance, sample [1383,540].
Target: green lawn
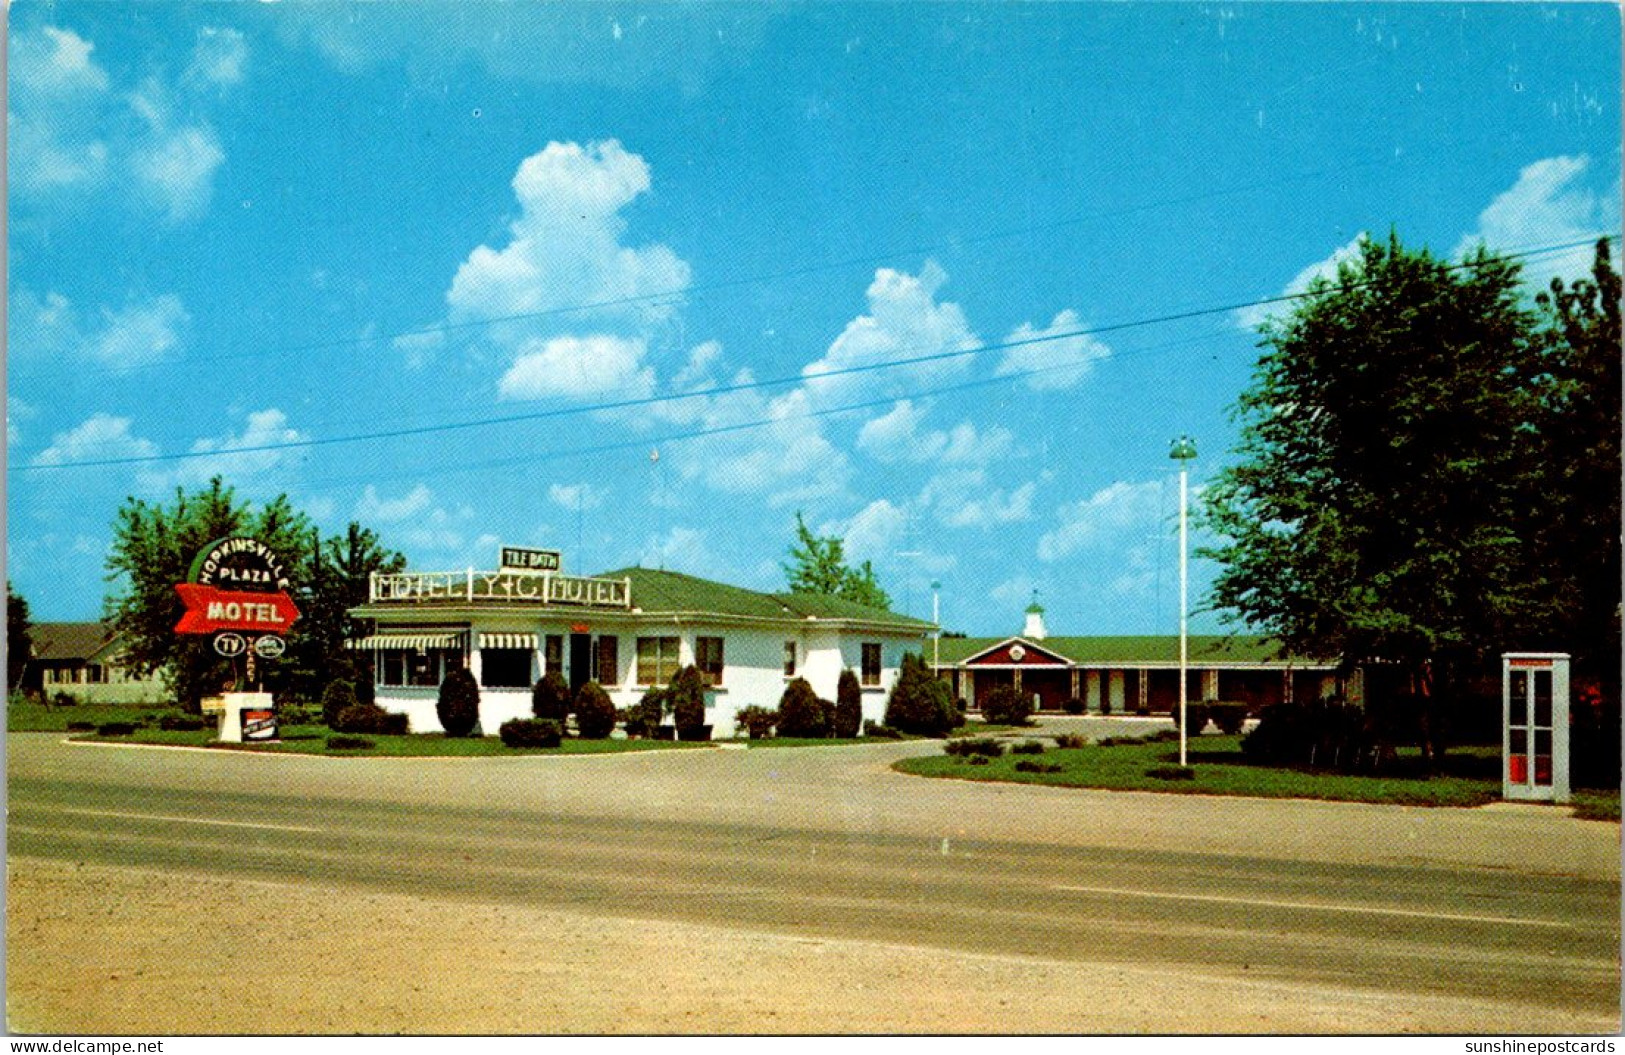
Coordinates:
[312,740]
[1470,778]
[29,717]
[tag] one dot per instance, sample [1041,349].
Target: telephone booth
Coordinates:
[1535,726]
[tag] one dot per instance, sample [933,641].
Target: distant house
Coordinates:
[85,661]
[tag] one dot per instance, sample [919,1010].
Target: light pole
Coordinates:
[936,627]
[1182,451]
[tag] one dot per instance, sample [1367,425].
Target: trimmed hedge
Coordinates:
[530,732]
[1196,713]
[349,743]
[550,698]
[884,732]
[1027,747]
[848,705]
[364,719]
[595,713]
[1073,706]
[180,723]
[1229,717]
[802,713]
[115,729]
[985,746]
[686,698]
[1071,740]
[458,706]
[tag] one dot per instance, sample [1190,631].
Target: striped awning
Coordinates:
[508,641]
[410,639]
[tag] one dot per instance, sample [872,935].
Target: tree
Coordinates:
[19,638]
[336,577]
[1376,510]
[153,547]
[920,702]
[1577,479]
[818,565]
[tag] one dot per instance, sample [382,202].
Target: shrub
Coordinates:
[366,693]
[1171,773]
[920,702]
[801,713]
[1071,740]
[1073,706]
[1326,733]
[1006,706]
[550,698]
[392,723]
[338,696]
[631,719]
[180,723]
[357,719]
[985,746]
[1027,765]
[1027,747]
[758,721]
[529,732]
[81,727]
[884,732]
[978,760]
[62,699]
[686,698]
[1142,711]
[595,714]
[651,709]
[1229,717]
[348,743]
[458,706]
[297,712]
[1196,714]
[848,705]
[115,729]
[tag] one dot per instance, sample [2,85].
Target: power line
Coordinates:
[676,296]
[624,404]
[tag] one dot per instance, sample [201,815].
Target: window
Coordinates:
[392,667]
[708,657]
[405,666]
[871,663]
[553,653]
[609,660]
[789,659]
[507,668]
[657,660]
[96,674]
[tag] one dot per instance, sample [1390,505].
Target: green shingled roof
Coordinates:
[1129,650]
[670,591]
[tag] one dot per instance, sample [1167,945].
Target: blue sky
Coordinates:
[257,226]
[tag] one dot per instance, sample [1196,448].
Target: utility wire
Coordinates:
[740,386]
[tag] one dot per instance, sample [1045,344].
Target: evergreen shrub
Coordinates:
[1073,706]
[757,721]
[1229,717]
[530,732]
[458,706]
[338,696]
[1005,706]
[801,712]
[920,702]
[595,714]
[550,698]
[686,698]
[848,705]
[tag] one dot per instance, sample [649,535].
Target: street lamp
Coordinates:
[936,627]
[1182,451]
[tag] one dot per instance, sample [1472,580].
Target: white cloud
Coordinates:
[897,437]
[70,132]
[419,348]
[873,534]
[55,61]
[702,359]
[1253,316]
[218,57]
[1061,361]
[905,321]
[966,498]
[565,247]
[173,164]
[576,496]
[680,549]
[1114,516]
[1014,593]
[1548,205]
[136,335]
[578,368]
[99,437]
[375,509]
[233,455]
[16,410]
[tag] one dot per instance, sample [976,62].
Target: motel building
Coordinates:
[1126,675]
[628,630]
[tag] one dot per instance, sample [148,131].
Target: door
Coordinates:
[580,661]
[1529,748]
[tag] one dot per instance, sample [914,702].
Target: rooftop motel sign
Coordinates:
[520,558]
[236,584]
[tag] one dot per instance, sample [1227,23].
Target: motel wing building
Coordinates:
[628,630]
[1127,674]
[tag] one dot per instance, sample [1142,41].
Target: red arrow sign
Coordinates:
[209,609]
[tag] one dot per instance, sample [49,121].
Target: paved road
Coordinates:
[1516,908]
